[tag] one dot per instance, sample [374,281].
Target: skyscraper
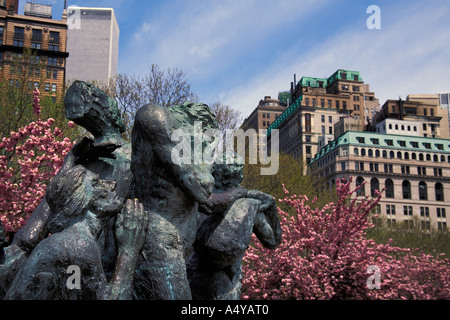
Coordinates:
[93,44]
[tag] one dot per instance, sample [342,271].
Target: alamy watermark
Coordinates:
[374,281]
[374,20]
[213,146]
[74,280]
[73,17]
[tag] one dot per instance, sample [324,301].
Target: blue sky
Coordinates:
[238,51]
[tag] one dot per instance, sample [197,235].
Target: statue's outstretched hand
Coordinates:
[267,223]
[131,226]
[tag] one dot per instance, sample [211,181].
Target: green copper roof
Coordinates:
[313,82]
[387,141]
[342,74]
[286,113]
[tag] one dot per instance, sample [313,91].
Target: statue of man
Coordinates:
[81,204]
[170,192]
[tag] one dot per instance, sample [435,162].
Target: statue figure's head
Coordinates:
[93,109]
[73,192]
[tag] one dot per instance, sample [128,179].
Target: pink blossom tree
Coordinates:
[324,254]
[29,159]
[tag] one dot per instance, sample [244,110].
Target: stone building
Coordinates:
[413,170]
[37,30]
[418,115]
[93,43]
[318,104]
[267,111]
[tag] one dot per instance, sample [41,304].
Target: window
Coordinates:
[308,149]
[402,143]
[389,185]
[440,212]
[375,141]
[424,211]
[36,35]
[2,30]
[390,209]
[52,61]
[405,169]
[414,144]
[437,172]
[356,152]
[329,103]
[307,101]
[330,119]
[323,129]
[54,37]
[323,118]
[442,225]
[439,191]
[360,184]
[384,154]
[421,171]
[337,104]
[330,130]
[360,139]
[406,189]
[307,138]
[423,193]
[388,168]
[374,187]
[389,142]
[47,87]
[264,115]
[407,210]
[314,102]
[343,166]
[322,103]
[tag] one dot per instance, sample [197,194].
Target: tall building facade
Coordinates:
[418,115]
[37,30]
[414,172]
[319,103]
[267,111]
[93,43]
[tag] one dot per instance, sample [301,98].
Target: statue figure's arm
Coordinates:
[131,230]
[267,223]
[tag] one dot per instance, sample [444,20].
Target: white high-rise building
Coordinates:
[92,43]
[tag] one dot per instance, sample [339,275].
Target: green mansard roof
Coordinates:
[387,141]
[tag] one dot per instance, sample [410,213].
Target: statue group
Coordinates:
[124,221]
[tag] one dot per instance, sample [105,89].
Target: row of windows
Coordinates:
[36,38]
[406,189]
[408,211]
[400,155]
[389,168]
[401,143]
[425,225]
[48,86]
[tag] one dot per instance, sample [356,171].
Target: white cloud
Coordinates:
[410,54]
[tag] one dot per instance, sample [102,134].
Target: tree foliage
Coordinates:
[29,158]
[325,254]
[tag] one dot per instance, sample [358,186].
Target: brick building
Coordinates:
[318,104]
[37,30]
